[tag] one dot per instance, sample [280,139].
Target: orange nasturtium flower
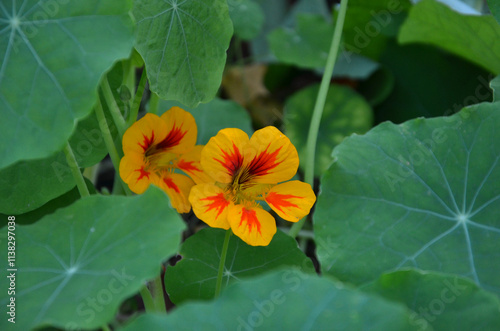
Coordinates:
[155,147]
[247,170]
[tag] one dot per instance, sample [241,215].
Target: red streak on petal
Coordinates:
[219,203]
[263,163]
[173,138]
[187,166]
[142,173]
[232,161]
[280,200]
[147,142]
[250,217]
[170,184]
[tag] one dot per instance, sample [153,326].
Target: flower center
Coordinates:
[243,190]
[159,161]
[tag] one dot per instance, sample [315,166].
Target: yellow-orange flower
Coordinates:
[155,147]
[245,171]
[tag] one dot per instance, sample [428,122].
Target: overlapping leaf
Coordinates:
[476,38]
[27,185]
[183,44]
[77,265]
[284,300]
[421,194]
[52,56]
[442,301]
[369,23]
[194,277]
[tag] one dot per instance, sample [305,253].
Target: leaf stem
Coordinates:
[108,140]
[137,99]
[222,263]
[156,289]
[147,299]
[319,106]
[75,170]
[113,107]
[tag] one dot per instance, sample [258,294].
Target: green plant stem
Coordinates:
[113,107]
[118,189]
[153,103]
[156,289]
[108,140]
[319,106]
[137,99]
[105,327]
[75,170]
[147,299]
[222,263]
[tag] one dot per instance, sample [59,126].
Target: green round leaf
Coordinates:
[53,54]
[345,113]
[307,46]
[284,300]
[183,45]
[421,194]
[194,277]
[445,302]
[213,116]
[476,38]
[76,266]
[247,17]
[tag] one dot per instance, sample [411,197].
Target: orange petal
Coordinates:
[190,164]
[222,157]
[177,187]
[291,200]
[273,158]
[255,226]
[132,171]
[210,205]
[181,131]
[144,134]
